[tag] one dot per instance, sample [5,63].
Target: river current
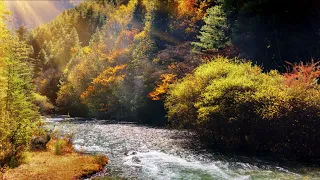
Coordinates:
[141,152]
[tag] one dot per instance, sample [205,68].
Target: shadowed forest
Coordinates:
[243,75]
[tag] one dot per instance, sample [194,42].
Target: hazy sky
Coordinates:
[32,13]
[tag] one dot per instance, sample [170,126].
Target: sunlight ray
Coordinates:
[33,13]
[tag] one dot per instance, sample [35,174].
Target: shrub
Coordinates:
[62,146]
[235,105]
[302,75]
[58,147]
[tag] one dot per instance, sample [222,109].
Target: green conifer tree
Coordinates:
[21,113]
[18,114]
[214,34]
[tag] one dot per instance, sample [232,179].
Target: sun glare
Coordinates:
[31,13]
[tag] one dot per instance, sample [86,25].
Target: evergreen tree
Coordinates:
[21,113]
[40,62]
[18,114]
[214,34]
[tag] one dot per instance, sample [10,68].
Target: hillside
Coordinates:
[132,46]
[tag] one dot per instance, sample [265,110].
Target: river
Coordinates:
[141,152]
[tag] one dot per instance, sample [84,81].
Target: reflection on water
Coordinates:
[140,152]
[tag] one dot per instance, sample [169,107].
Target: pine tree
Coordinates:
[18,114]
[214,34]
[22,114]
[40,62]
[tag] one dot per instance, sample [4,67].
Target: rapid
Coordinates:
[142,152]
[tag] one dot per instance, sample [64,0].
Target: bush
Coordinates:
[62,146]
[235,105]
[58,147]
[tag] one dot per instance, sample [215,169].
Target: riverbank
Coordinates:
[45,165]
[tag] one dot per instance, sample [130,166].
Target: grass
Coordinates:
[46,165]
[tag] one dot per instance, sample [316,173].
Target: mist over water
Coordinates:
[140,152]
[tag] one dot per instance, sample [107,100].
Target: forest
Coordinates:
[243,75]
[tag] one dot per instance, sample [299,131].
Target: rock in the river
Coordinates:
[129,153]
[136,159]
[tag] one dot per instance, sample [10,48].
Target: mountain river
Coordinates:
[148,153]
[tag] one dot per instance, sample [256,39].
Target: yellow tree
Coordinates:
[163,87]
[101,95]
[189,14]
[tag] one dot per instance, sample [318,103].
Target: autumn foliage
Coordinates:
[150,61]
[163,86]
[234,105]
[103,84]
[190,12]
[302,75]
[101,96]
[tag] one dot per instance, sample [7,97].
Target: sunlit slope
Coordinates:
[34,13]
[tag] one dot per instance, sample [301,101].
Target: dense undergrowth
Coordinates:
[235,105]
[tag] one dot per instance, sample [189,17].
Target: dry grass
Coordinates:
[60,146]
[45,165]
